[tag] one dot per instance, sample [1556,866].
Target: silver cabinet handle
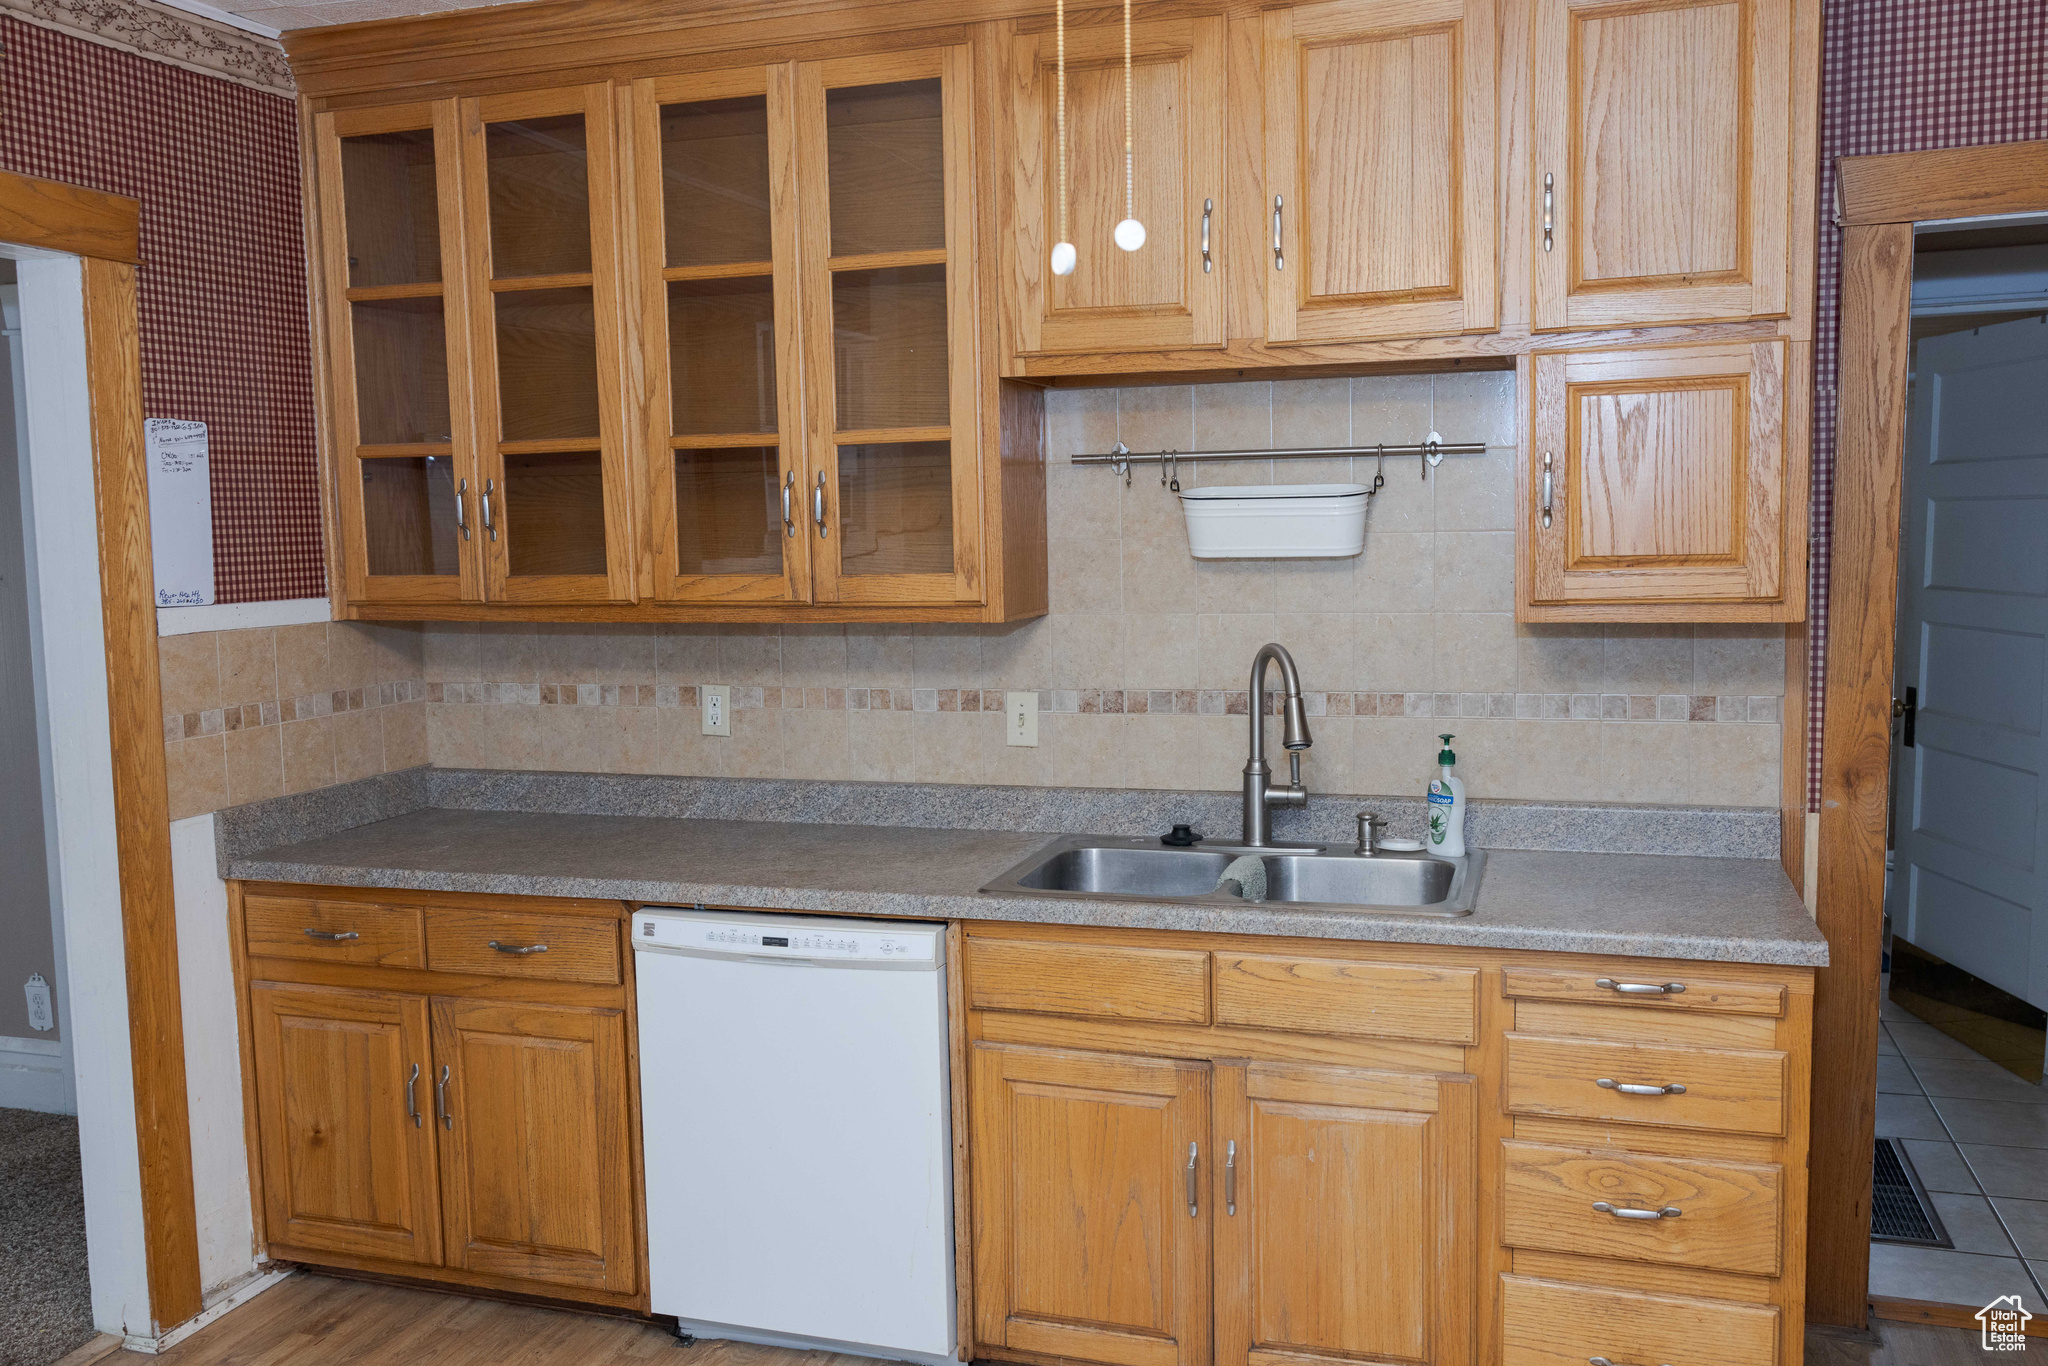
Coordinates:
[331,936]
[1641,988]
[1630,1088]
[441,1099]
[1208,207]
[1603,1361]
[518,948]
[1194,1205]
[1623,1212]
[1546,490]
[412,1109]
[1279,261]
[490,522]
[818,504]
[788,493]
[1549,185]
[461,512]
[1230,1177]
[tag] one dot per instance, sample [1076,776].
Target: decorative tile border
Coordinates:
[1130,701]
[250,715]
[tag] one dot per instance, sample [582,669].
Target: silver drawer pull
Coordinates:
[1230,1177]
[412,1108]
[519,948]
[1633,1088]
[1603,1361]
[1641,988]
[1194,1205]
[331,936]
[1623,1212]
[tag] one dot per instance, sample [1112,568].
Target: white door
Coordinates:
[1970,884]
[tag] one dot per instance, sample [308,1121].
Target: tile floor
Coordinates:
[1978,1136]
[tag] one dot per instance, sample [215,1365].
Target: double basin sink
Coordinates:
[1309,876]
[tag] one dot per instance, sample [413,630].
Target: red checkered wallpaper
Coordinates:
[224,328]
[1903,76]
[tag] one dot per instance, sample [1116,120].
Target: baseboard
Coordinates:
[35,1074]
[232,1298]
[1943,1315]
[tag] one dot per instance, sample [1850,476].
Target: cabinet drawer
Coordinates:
[332,931]
[1109,980]
[577,949]
[1739,1091]
[1343,996]
[1549,1323]
[1726,1212]
[1624,985]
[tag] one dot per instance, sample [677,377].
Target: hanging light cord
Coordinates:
[1061,8]
[1130,210]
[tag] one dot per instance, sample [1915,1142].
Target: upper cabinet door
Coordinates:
[540,192]
[1656,486]
[1345,1209]
[1661,177]
[406,479]
[717,219]
[1380,155]
[1168,293]
[887,248]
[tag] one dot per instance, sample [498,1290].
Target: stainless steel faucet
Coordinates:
[1260,796]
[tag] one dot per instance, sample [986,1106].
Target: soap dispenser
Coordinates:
[1447,806]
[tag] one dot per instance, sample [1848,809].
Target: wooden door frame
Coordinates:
[1881,198]
[103,230]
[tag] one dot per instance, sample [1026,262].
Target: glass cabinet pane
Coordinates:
[886,154]
[721,347]
[729,511]
[889,347]
[547,364]
[401,355]
[390,208]
[896,508]
[409,515]
[554,514]
[714,181]
[540,197]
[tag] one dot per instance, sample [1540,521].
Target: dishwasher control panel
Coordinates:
[742,934]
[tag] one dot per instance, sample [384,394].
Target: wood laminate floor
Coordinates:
[321,1321]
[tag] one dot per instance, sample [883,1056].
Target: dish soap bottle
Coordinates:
[1447,807]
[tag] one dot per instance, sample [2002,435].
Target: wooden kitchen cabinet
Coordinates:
[1657,485]
[1379,152]
[343,1087]
[1662,168]
[1169,293]
[536,1162]
[447,1103]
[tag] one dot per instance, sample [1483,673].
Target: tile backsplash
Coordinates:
[1141,664]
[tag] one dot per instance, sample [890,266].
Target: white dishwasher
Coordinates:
[797,1127]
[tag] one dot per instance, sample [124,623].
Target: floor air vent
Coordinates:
[1900,1211]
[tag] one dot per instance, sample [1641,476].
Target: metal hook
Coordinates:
[1379,478]
[1174,456]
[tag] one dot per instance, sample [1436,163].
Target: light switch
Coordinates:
[1020,721]
[717,710]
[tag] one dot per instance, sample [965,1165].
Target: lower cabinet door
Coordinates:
[536,1157]
[1344,1209]
[342,1095]
[1092,1212]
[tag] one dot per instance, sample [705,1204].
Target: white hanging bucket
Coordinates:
[1276,521]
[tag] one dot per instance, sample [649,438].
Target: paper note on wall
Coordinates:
[180,511]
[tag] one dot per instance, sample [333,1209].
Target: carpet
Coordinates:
[45,1298]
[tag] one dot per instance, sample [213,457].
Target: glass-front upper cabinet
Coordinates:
[887,244]
[715,180]
[555,508]
[407,485]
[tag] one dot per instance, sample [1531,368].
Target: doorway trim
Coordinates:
[103,231]
[1882,197]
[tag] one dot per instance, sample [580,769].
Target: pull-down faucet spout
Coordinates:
[1260,796]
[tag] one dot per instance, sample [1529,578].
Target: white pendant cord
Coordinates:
[1130,234]
[1063,258]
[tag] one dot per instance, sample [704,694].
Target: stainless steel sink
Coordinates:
[1102,868]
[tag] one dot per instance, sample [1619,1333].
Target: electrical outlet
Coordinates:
[40,1013]
[717,710]
[1020,722]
